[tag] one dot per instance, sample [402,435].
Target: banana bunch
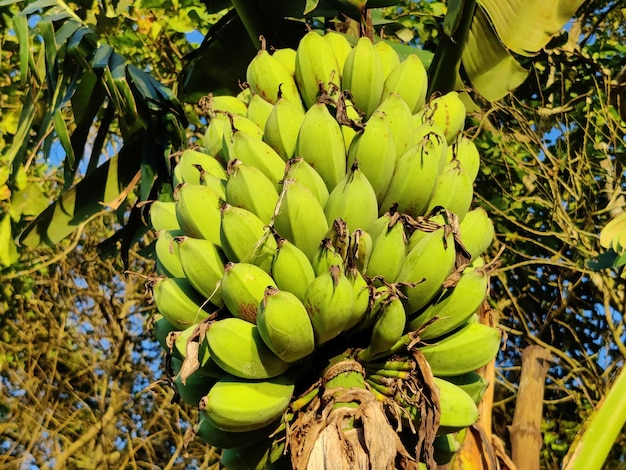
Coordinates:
[327,211]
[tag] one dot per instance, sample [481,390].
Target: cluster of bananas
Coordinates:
[325,225]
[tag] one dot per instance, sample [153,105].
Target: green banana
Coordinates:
[453,307]
[317,69]
[287,57]
[426,266]
[216,437]
[360,249]
[266,75]
[291,269]
[388,252]
[305,175]
[351,122]
[325,257]
[195,386]
[243,286]
[193,166]
[458,410]
[198,212]
[267,454]
[472,383]
[388,56]
[250,189]
[409,80]
[284,325]
[340,46]
[203,266]
[361,293]
[163,215]
[476,232]
[161,328]
[259,111]
[282,127]
[353,200]
[400,121]
[448,112]
[320,142]
[300,217]
[388,327]
[415,176]
[470,347]
[237,347]
[454,191]
[363,75]
[256,153]
[245,238]
[237,405]
[466,153]
[445,447]
[166,253]
[375,150]
[339,238]
[237,125]
[226,103]
[329,300]
[178,301]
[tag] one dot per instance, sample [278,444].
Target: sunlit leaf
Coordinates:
[8,250]
[101,189]
[526,26]
[613,235]
[29,201]
[489,66]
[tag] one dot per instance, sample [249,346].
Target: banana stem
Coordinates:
[601,429]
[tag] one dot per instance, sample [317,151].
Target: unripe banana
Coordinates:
[375,150]
[195,386]
[388,328]
[291,269]
[388,56]
[465,152]
[300,218]
[429,130]
[250,189]
[237,405]
[409,80]
[163,215]
[340,46]
[361,297]
[161,328]
[349,118]
[325,257]
[445,447]
[329,300]
[458,410]
[448,112]
[388,252]
[198,212]
[266,74]
[213,139]
[256,153]
[472,383]
[304,174]
[243,286]
[282,127]
[400,121]
[178,302]
[237,125]
[284,325]
[454,191]
[259,111]
[216,437]
[203,266]
[427,265]
[477,232]
[467,349]
[237,347]
[454,306]
[245,238]
[320,142]
[353,200]
[166,254]
[245,95]
[364,76]
[316,68]
[415,176]
[226,103]
[287,57]
[339,237]
[266,454]
[193,166]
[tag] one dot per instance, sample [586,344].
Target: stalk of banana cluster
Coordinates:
[321,264]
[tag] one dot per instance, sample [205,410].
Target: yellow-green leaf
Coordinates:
[613,235]
[526,26]
[8,250]
[489,66]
